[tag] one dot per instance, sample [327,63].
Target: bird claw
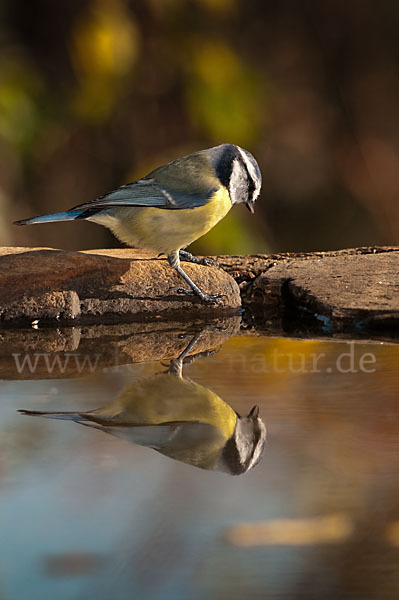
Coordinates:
[209,262]
[209,298]
[213,298]
[188,257]
[180,290]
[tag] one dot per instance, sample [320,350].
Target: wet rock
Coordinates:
[351,292]
[47,284]
[354,290]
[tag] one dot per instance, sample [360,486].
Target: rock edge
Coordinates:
[346,290]
[49,284]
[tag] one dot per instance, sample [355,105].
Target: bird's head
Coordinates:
[244,449]
[239,172]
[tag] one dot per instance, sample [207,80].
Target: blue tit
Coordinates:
[174,205]
[180,419]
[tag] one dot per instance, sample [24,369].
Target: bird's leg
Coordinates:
[174,262]
[176,364]
[190,346]
[188,257]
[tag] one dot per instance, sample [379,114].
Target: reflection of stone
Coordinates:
[39,283]
[329,529]
[180,419]
[75,351]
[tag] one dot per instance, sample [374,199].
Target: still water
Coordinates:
[176,488]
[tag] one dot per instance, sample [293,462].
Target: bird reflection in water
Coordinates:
[180,419]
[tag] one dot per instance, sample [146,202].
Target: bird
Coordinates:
[180,419]
[174,205]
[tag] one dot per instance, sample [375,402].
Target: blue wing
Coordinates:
[187,182]
[140,193]
[145,192]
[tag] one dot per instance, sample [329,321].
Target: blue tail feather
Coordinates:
[63,416]
[69,215]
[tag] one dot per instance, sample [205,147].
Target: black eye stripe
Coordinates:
[224,166]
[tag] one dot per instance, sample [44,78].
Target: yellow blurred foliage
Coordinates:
[19,90]
[224,95]
[106,41]
[216,64]
[104,48]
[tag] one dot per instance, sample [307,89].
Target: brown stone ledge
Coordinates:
[353,291]
[47,284]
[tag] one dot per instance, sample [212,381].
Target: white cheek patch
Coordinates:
[252,172]
[237,184]
[257,455]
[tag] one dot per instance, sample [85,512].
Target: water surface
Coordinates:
[85,513]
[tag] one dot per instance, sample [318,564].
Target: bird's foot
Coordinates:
[193,357]
[213,298]
[188,257]
[180,290]
[209,298]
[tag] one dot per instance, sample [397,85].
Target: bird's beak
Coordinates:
[254,412]
[250,206]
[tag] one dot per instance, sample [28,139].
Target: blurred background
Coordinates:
[95,94]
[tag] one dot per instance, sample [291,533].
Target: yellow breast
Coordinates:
[167,398]
[166,230]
